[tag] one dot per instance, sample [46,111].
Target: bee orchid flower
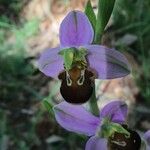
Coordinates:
[76,118]
[106,131]
[77,62]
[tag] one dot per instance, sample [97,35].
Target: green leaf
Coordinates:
[5,25]
[48,105]
[105,8]
[108,128]
[90,14]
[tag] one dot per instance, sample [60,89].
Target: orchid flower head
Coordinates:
[76,118]
[105,136]
[77,62]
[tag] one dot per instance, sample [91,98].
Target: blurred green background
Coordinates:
[27,27]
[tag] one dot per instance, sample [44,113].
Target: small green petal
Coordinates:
[108,128]
[68,55]
[73,56]
[118,128]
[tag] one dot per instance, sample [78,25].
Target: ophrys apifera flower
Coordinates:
[108,131]
[77,62]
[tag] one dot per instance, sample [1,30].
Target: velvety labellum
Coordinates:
[77,85]
[119,141]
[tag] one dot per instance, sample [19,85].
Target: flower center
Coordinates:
[74,57]
[77,80]
[76,85]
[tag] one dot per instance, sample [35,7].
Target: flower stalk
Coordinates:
[93,103]
[105,8]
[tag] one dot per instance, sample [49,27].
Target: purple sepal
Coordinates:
[107,63]
[50,62]
[115,110]
[75,118]
[75,30]
[96,143]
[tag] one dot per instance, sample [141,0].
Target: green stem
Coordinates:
[93,104]
[105,8]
